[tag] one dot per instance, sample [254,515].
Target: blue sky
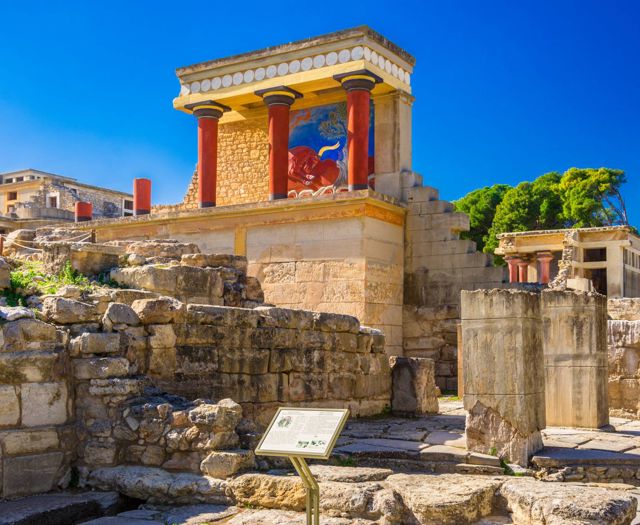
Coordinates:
[505,90]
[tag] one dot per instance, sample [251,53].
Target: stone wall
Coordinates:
[105,203]
[438,266]
[37,438]
[624,356]
[243,162]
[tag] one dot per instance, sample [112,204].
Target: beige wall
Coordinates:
[342,254]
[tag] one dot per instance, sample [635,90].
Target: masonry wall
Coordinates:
[438,266]
[624,356]
[37,437]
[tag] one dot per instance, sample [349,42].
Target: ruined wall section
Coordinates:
[37,438]
[106,204]
[624,356]
[438,266]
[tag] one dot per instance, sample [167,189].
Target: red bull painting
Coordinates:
[318,150]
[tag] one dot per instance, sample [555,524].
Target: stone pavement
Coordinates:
[437,443]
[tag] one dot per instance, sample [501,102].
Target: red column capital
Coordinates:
[358,85]
[208,113]
[278,99]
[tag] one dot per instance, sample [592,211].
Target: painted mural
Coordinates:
[318,150]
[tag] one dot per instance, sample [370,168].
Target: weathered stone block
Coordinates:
[161,336]
[96,343]
[223,464]
[23,442]
[68,311]
[575,352]
[23,367]
[100,367]
[157,311]
[43,404]
[9,406]
[503,372]
[28,334]
[30,474]
[119,313]
[414,386]
[99,453]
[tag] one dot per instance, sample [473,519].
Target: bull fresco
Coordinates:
[318,150]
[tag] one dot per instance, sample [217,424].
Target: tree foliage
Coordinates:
[480,205]
[580,197]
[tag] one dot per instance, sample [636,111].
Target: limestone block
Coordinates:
[96,343]
[503,372]
[13,313]
[43,404]
[28,334]
[93,259]
[99,453]
[100,367]
[575,353]
[624,309]
[30,474]
[213,260]
[9,406]
[128,296]
[272,492]
[23,367]
[119,313]
[23,442]
[157,311]
[414,386]
[68,311]
[163,362]
[224,415]
[161,336]
[223,464]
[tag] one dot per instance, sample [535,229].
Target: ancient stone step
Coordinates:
[536,503]
[187,515]
[58,509]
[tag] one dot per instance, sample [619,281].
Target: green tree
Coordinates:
[480,205]
[536,205]
[591,197]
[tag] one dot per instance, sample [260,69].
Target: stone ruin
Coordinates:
[179,368]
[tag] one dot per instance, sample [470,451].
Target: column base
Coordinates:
[142,212]
[83,219]
[277,196]
[355,187]
[206,205]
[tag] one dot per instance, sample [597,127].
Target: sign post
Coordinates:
[299,433]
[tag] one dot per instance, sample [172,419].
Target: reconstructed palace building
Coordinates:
[304,166]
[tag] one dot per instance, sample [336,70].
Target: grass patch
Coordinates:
[29,278]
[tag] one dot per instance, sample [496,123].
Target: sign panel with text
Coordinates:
[303,432]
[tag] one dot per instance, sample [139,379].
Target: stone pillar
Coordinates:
[278,100]
[208,114]
[83,211]
[576,358]
[513,268]
[141,196]
[358,85]
[544,266]
[503,373]
[523,271]
[414,386]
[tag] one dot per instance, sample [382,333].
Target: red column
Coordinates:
[141,196]
[279,100]
[358,138]
[544,265]
[523,271]
[84,211]
[513,268]
[208,113]
[278,151]
[358,85]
